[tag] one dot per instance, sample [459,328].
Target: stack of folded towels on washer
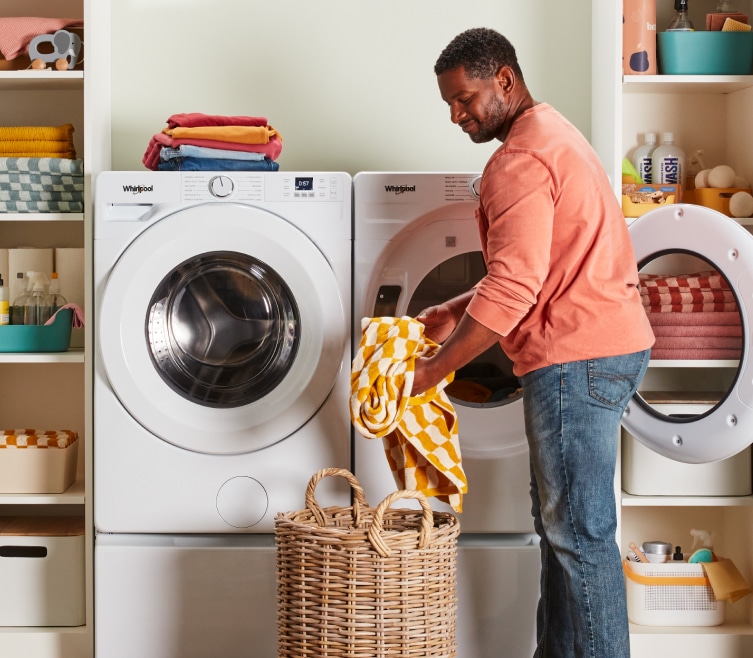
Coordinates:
[203,142]
[694,316]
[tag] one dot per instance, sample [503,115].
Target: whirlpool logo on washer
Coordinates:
[138,189]
[399,189]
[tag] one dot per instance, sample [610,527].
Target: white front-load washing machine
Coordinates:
[416,244]
[221,386]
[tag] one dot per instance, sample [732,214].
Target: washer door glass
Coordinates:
[223,329]
[430,262]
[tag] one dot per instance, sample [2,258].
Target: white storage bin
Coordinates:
[670,594]
[42,571]
[33,462]
[647,473]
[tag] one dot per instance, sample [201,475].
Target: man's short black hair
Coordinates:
[481,51]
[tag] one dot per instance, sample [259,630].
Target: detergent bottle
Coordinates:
[4,306]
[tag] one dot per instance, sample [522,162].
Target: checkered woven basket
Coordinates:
[361,582]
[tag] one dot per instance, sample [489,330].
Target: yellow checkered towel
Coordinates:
[420,433]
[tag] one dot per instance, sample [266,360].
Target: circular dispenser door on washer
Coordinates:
[707,240]
[432,262]
[220,319]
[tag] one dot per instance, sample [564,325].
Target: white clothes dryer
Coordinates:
[416,244]
[222,347]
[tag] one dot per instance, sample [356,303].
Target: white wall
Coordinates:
[348,83]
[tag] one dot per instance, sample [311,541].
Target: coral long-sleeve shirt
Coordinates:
[562,281]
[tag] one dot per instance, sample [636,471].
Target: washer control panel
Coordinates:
[248,186]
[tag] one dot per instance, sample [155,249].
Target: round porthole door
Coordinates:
[726,248]
[221,328]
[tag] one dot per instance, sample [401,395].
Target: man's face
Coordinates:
[476,105]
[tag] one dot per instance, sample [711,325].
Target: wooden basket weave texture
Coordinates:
[361,582]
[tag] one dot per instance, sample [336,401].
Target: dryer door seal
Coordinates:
[728,247]
[208,233]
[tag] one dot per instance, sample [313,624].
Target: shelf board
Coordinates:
[71,356]
[685,84]
[42,217]
[722,629]
[30,80]
[693,363]
[73,495]
[629,500]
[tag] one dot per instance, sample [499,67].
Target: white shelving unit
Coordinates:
[53,391]
[713,113]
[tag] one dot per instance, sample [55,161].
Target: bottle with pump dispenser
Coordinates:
[668,162]
[642,158]
[55,299]
[4,305]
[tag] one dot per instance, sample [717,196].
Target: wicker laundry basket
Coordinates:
[361,582]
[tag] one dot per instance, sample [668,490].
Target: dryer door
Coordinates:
[221,319]
[432,261]
[719,243]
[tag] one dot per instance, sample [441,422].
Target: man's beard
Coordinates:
[489,128]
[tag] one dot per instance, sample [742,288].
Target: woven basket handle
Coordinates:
[427,520]
[359,498]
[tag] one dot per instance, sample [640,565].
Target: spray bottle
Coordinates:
[35,310]
[706,552]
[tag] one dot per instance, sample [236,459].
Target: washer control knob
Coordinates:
[221,186]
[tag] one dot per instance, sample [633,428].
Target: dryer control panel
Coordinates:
[251,187]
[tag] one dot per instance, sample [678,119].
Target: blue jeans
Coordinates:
[573,413]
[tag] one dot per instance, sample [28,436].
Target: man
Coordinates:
[561,298]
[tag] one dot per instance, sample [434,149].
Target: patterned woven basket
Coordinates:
[359,582]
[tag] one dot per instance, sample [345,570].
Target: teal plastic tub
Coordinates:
[705,53]
[54,337]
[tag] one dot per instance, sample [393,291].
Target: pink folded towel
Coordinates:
[77,321]
[195,119]
[708,318]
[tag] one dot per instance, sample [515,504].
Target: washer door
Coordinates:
[727,428]
[221,328]
[429,262]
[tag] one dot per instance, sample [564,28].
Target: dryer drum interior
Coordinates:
[223,329]
[704,239]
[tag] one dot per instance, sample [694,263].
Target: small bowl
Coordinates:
[705,53]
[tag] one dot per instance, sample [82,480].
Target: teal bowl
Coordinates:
[705,53]
[38,338]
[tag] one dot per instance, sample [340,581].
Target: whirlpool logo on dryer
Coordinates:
[138,189]
[399,189]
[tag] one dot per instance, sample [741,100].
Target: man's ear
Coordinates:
[505,79]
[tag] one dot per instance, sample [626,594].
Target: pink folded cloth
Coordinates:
[698,342]
[77,321]
[271,149]
[696,331]
[196,119]
[715,318]
[16,32]
[694,354]
[706,280]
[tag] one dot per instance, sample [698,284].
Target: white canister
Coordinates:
[657,551]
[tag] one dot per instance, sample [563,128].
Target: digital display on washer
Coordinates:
[304,184]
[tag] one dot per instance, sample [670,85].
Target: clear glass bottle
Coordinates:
[54,299]
[18,303]
[725,7]
[681,22]
[36,310]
